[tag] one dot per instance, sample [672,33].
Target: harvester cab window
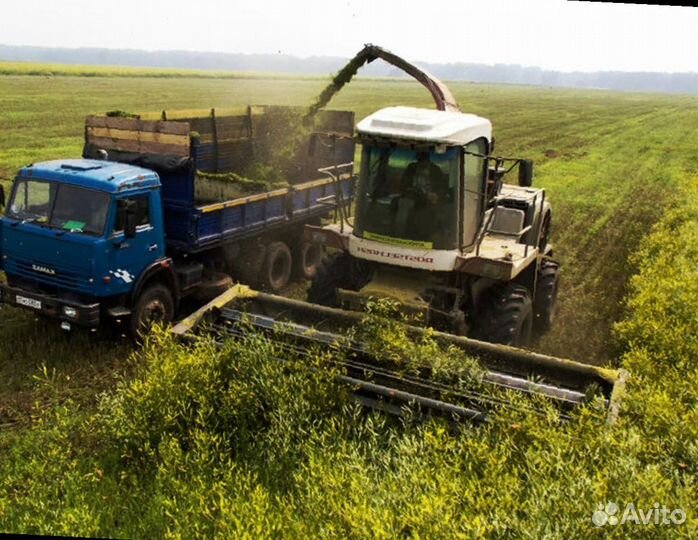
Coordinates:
[142,210]
[409,197]
[474,186]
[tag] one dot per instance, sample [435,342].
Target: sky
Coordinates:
[553,34]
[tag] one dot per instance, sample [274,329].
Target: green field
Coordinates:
[48,70]
[187,444]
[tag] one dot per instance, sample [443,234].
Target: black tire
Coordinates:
[334,272]
[278,263]
[307,258]
[545,302]
[544,233]
[506,315]
[155,304]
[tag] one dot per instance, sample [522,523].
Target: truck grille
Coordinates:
[62,279]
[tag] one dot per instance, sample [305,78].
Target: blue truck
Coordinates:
[136,225]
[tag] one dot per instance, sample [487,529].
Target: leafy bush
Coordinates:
[384,333]
[251,400]
[661,336]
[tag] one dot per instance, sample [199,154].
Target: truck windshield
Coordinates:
[59,206]
[409,198]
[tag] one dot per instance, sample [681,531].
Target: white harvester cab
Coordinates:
[420,189]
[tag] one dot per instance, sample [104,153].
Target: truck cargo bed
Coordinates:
[193,156]
[249,215]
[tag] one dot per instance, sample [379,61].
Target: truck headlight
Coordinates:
[70,312]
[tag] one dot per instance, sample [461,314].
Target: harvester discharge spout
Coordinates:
[443,98]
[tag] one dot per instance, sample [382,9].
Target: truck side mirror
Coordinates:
[128,208]
[2,196]
[525,173]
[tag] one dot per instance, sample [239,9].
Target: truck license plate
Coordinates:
[29,302]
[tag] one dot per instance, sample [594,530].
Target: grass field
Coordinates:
[138,461]
[34,69]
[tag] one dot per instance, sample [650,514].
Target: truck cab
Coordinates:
[76,236]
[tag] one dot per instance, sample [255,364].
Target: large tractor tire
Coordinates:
[544,232]
[544,305]
[334,272]
[276,271]
[155,305]
[506,315]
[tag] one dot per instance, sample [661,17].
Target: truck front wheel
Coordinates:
[155,305]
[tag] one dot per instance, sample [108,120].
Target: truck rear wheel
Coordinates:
[276,271]
[155,305]
[307,259]
[545,302]
[507,315]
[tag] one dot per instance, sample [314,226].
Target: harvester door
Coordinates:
[474,167]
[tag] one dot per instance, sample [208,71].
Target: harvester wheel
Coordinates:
[507,315]
[333,273]
[546,296]
[155,305]
[544,233]
[277,266]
